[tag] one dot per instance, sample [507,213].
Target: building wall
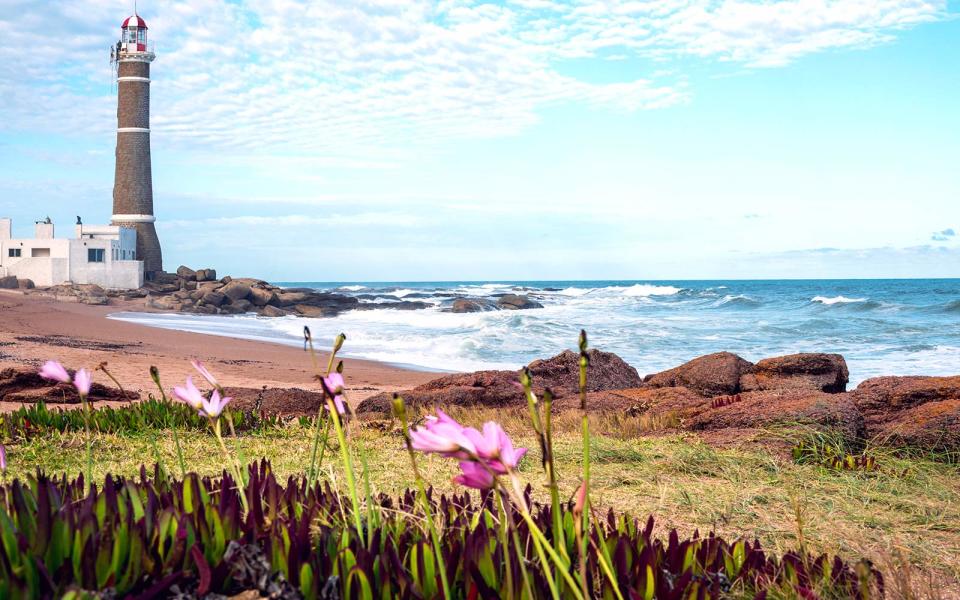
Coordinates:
[68,262]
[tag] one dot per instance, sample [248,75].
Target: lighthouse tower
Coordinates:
[133,182]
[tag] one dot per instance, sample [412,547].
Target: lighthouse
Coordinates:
[133,181]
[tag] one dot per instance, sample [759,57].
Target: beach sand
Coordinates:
[34,329]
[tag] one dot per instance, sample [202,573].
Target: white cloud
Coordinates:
[368,77]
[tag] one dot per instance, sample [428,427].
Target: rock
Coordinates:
[162,288]
[273,311]
[710,375]
[197,294]
[262,297]
[163,277]
[93,300]
[931,427]
[206,274]
[284,402]
[214,298]
[515,302]
[182,294]
[236,290]
[187,273]
[206,309]
[242,305]
[25,284]
[291,298]
[887,401]
[164,302]
[813,371]
[471,305]
[402,305]
[231,309]
[835,412]
[188,285]
[306,310]
[21,384]
[225,280]
[502,388]
[606,371]
[9,283]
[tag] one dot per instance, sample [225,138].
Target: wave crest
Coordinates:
[836,300]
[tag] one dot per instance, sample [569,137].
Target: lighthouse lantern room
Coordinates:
[134,35]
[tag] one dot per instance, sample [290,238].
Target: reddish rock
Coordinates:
[788,407]
[711,375]
[294,402]
[21,384]
[561,374]
[810,371]
[885,400]
[932,426]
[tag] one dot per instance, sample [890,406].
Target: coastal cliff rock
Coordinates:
[814,371]
[711,375]
[515,302]
[932,426]
[607,371]
[504,302]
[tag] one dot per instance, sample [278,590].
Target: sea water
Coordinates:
[881,327]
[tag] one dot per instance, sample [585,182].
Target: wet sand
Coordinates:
[34,329]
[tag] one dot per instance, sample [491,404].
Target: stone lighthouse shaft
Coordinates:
[133,181]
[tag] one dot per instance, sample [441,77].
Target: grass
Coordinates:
[903,517]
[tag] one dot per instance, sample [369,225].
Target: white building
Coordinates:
[100,254]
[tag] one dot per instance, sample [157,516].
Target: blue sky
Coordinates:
[389,140]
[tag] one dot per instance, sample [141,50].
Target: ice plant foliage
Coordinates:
[245,531]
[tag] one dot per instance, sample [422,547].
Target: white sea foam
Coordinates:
[645,289]
[352,288]
[836,300]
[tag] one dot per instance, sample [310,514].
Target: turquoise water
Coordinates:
[882,327]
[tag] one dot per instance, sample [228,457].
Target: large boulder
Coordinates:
[809,371]
[25,284]
[242,305]
[262,296]
[285,298]
[931,427]
[711,375]
[786,407]
[273,311]
[206,274]
[606,371]
[888,401]
[9,283]
[515,302]
[306,310]
[213,298]
[471,305]
[164,302]
[561,374]
[184,272]
[236,290]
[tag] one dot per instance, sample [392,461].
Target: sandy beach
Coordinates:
[34,329]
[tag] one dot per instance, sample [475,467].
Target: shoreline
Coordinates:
[34,329]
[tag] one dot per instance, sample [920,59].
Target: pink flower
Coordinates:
[441,418]
[473,474]
[215,405]
[443,438]
[3,458]
[334,384]
[82,381]
[205,373]
[189,394]
[54,371]
[509,458]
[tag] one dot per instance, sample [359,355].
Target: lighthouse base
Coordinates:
[148,244]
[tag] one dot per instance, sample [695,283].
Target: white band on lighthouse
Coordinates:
[131,78]
[133,130]
[134,218]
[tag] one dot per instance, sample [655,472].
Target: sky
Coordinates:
[397,140]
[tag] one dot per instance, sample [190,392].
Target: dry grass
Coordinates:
[905,517]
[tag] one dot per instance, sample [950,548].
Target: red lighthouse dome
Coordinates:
[134,35]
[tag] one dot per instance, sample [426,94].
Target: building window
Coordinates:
[95,254]
[40,252]
[13,253]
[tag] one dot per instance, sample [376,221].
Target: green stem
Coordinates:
[347,464]
[558,536]
[86,431]
[215,423]
[176,441]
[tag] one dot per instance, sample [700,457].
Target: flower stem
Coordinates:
[215,423]
[89,442]
[347,463]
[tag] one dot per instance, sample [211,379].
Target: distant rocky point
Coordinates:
[201,292]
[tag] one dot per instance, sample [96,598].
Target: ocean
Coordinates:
[881,327]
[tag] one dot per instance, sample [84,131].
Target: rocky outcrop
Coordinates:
[710,375]
[471,305]
[515,302]
[21,384]
[812,371]
[607,371]
[9,283]
[890,400]
[932,426]
[289,402]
